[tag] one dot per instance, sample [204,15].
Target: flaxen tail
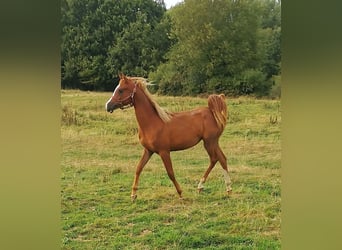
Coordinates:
[217,105]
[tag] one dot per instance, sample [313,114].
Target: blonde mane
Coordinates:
[142,83]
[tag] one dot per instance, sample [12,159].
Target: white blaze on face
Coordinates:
[117,87]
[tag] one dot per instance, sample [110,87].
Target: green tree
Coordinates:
[271,30]
[101,38]
[198,46]
[220,47]
[140,48]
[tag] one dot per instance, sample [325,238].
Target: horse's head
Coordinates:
[123,94]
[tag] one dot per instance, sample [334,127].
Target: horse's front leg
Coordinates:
[165,156]
[144,159]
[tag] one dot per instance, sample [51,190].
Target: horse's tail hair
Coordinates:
[217,105]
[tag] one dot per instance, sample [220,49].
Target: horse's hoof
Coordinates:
[230,192]
[199,190]
[133,197]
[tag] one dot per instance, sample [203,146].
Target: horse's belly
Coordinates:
[183,142]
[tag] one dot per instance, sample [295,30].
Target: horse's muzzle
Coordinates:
[110,107]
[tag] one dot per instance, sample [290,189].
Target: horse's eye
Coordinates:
[120,91]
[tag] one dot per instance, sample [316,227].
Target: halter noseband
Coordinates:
[130,97]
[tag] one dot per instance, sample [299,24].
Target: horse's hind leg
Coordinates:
[144,159]
[210,148]
[205,176]
[215,154]
[223,161]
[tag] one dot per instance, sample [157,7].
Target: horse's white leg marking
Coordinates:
[227,180]
[200,184]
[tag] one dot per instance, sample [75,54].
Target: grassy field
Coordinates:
[99,155]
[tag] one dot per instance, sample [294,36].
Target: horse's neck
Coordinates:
[145,113]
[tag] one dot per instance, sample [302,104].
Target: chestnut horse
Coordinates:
[161,131]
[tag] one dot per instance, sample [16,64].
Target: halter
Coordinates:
[130,97]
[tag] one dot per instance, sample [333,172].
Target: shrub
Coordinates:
[252,81]
[275,91]
[69,116]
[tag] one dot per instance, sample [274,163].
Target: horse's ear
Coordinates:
[123,77]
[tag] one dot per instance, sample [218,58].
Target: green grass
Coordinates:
[99,155]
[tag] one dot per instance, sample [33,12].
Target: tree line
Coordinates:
[196,47]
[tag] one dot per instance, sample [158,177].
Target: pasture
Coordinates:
[99,154]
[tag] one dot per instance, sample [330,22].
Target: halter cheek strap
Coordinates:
[130,97]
